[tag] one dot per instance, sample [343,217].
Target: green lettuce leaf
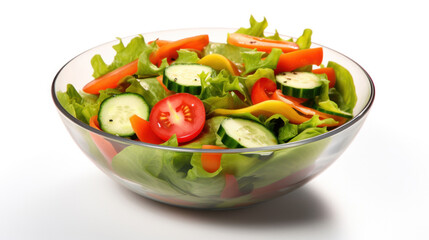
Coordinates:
[186,56]
[256,28]
[287,132]
[309,133]
[124,55]
[218,91]
[304,42]
[197,170]
[253,60]
[143,165]
[82,106]
[228,101]
[106,93]
[260,73]
[314,122]
[281,127]
[166,172]
[145,67]
[151,90]
[255,170]
[345,86]
[231,52]
[276,36]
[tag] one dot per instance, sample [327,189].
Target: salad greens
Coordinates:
[234,84]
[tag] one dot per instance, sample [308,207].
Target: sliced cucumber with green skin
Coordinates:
[115,112]
[243,133]
[184,78]
[299,84]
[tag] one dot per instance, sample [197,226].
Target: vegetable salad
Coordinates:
[253,90]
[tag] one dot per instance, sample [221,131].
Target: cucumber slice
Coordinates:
[184,78]
[115,112]
[299,84]
[243,133]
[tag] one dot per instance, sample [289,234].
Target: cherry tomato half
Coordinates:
[182,114]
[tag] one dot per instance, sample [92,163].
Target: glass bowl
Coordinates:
[248,176]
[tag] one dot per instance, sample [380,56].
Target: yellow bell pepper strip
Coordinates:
[266,108]
[219,62]
[277,95]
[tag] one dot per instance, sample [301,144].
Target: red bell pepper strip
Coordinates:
[263,90]
[293,60]
[111,79]
[169,50]
[330,73]
[261,44]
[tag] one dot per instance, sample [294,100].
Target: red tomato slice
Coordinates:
[262,90]
[182,114]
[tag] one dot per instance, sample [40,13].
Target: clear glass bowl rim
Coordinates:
[330,133]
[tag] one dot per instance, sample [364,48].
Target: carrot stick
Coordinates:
[143,131]
[293,60]
[211,161]
[169,50]
[111,79]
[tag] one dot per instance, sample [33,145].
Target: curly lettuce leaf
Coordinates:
[186,56]
[228,101]
[314,122]
[304,41]
[253,60]
[151,90]
[231,52]
[84,106]
[256,28]
[253,171]
[260,73]
[144,166]
[220,85]
[220,91]
[309,133]
[276,36]
[166,172]
[197,170]
[145,67]
[124,55]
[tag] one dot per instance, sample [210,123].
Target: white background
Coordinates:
[378,189]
